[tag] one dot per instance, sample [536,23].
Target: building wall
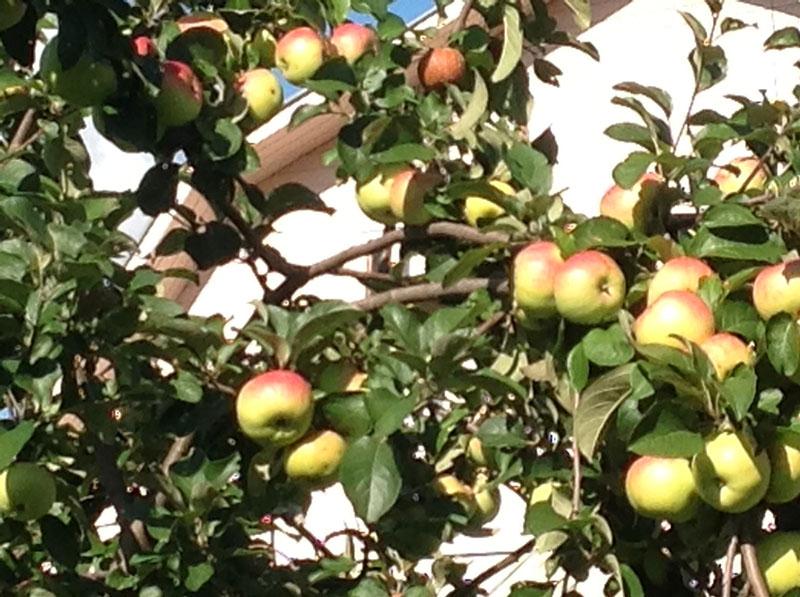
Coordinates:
[644,41]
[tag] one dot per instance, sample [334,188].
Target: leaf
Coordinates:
[12,441]
[581,12]
[661,98]
[187,387]
[292,197]
[307,112]
[783,344]
[601,232]
[667,436]
[730,24]
[388,410]
[700,34]
[320,321]
[729,215]
[578,367]
[710,66]
[597,404]
[404,153]
[708,244]
[739,390]
[629,132]
[607,348]
[512,45]
[468,262]
[370,478]
[633,586]
[788,37]
[157,189]
[348,415]
[475,110]
[217,244]
[198,575]
[631,169]
[530,168]
[541,518]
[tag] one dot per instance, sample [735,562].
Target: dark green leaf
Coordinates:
[12,441]
[629,171]
[370,478]
[607,348]
[659,96]
[530,168]
[597,404]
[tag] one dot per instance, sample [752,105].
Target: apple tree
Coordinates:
[633,377]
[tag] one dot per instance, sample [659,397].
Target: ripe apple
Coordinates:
[143,46]
[316,457]
[202,20]
[776,289]
[784,456]
[679,273]
[535,269]
[262,92]
[299,54]
[729,475]
[662,488]
[374,196]
[730,182]
[477,208]
[88,82]
[181,97]
[352,41]
[11,13]
[779,560]
[632,206]
[452,487]
[440,67]
[725,351]
[589,288]
[275,408]
[677,312]
[342,376]
[26,491]
[407,196]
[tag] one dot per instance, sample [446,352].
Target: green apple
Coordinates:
[88,82]
[342,376]
[662,488]
[440,67]
[262,93]
[352,41]
[674,313]
[374,195]
[11,13]
[407,196]
[731,180]
[480,209]
[299,54]
[776,289]
[632,206]
[679,273]
[589,288]
[784,456]
[726,351]
[535,268]
[181,96]
[779,560]
[27,491]
[729,474]
[475,451]
[275,408]
[315,458]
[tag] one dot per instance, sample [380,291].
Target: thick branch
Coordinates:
[423,292]
[757,584]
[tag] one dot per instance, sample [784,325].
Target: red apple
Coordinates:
[262,92]
[143,46]
[589,288]
[535,269]
[275,408]
[776,289]
[632,206]
[299,54]
[352,41]
[679,273]
[181,96]
[677,312]
[440,67]
[726,351]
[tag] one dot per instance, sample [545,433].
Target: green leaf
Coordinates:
[631,169]
[787,37]
[291,197]
[667,436]
[197,576]
[700,34]
[629,132]
[475,111]
[728,215]
[530,168]
[512,45]
[468,262]
[494,433]
[578,367]
[369,587]
[657,95]
[12,441]
[597,404]
[348,415]
[783,344]
[581,12]
[404,153]
[747,245]
[307,112]
[633,587]
[320,321]
[739,390]
[609,347]
[388,410]
[370,477]
[601,232]
[187,387]
[540,518]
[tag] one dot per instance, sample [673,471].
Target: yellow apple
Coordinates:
[486,498]
[589,288]
[679,273]
[731,181]
[299,54]
[315,458]
[784,455]
[262,93]
[478,209]
[726,351]
[776,289]
[632,206]
[677,312]
[27,491]
[341,376]
[779,560]
[374,195]
[662,488]
[535,269]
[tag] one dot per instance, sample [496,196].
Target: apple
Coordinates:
[589,288]
[675,313]
[88,82]
[407,196]
[450,486]
[632,206]
[374,196]
[784,455]
[726,351]
[776,289]
[352,41]
[202,20]
[477,209]
[486,499]
[143,46]
[181,97]
[440,67]
[475,451]
[535,269]
[299,54]
[730,181]
[729,475]
[262,92]
[679,273]
[275,408]
[27,491]
[342,376]
[662,488]
[11,13]
[316,457]
[779,561]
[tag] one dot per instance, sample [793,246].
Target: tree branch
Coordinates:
[461,21]
[22,130]
[727,577]
[432,290]
[472,586]
[177,450]
[757,584]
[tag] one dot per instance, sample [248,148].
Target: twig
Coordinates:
[490,323]
[470,587]
[421,292]
[318,544]
[727,577]
[180,446]
[365,276]
[22,130]
[576,466]
[757,584]
[461,21]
